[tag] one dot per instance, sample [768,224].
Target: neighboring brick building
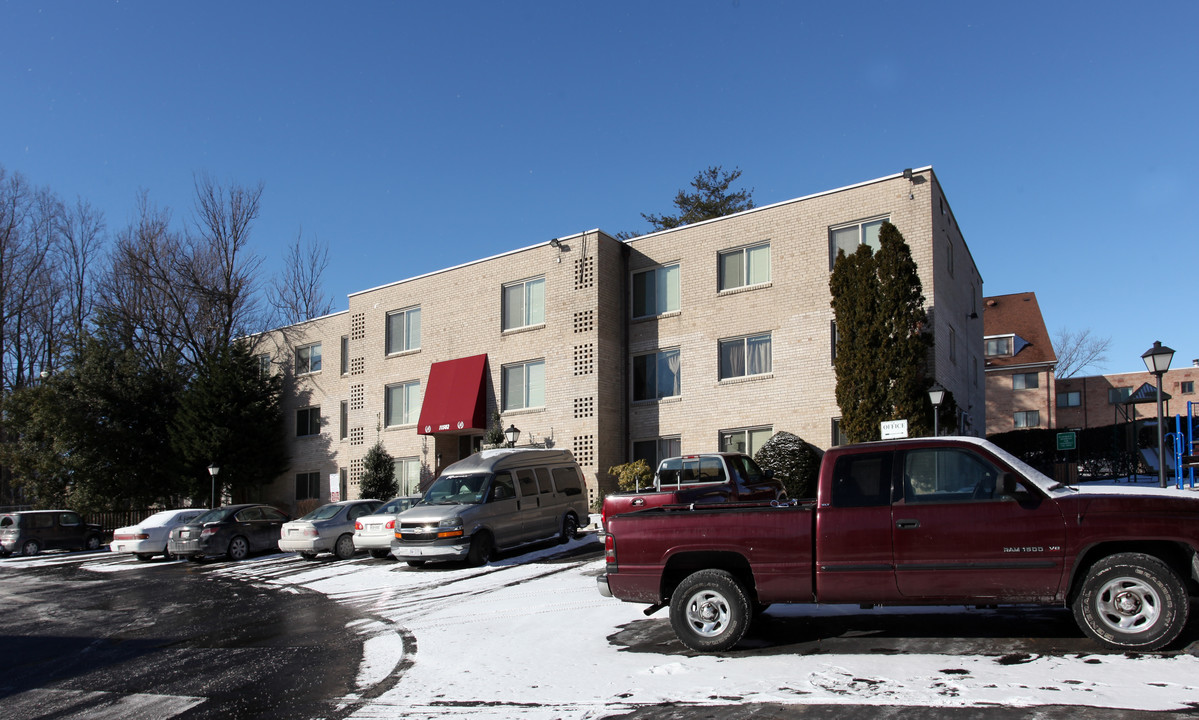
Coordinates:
[1092,401]
[713,335]
[1020,362]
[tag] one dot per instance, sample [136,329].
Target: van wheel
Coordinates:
[31,547]
[709,611]
[344,549]
[570,529]
[481,547]
[93,542]
[1132,601]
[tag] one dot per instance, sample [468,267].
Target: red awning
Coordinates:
[454,397]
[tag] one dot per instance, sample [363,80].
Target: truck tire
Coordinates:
[1132,601]
[709,611]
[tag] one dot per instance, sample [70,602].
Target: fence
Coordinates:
[112,519]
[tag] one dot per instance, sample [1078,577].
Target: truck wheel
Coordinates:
[481,548]
[709,611]
[1132,601]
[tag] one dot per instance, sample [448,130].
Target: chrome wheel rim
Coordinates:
[708,613]
[1128,604]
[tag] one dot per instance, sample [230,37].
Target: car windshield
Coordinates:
[395,506]
[217,515]
[323,513]
[457,490]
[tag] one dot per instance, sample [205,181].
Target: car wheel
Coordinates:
[31,547]
[238,549]
[380,554]
[709,611]
[166,553]
[308,555]
[344,549]
[144,557]
[92,542]
[1132,601]
[481,547]
[570,529]
[416,563]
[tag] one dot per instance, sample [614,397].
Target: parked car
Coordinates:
[32,531]
[493,500]
[149,537]
[233,530]
[375,532]
[329,528]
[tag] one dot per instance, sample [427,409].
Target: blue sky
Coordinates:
[416,136]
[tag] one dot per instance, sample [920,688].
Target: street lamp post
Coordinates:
[936,395]
[513,434]
[1157,361]
[213,469]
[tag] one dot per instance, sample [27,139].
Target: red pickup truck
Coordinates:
[701,478]
[936,521]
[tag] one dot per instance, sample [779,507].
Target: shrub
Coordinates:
[795,462]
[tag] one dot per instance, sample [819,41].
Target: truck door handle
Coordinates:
[907,524]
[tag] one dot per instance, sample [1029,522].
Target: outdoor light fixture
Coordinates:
[556,244]
[1157,361]
[936,395]
[513,434]
[213,469]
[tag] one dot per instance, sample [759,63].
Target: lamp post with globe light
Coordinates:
[1157,361]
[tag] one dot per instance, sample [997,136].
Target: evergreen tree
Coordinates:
[378,474]
[712,198]
[905,350]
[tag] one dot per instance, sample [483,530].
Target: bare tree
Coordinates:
[1078,350]
[81,237]
[296,294]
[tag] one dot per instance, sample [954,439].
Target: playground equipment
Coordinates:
[1185,447]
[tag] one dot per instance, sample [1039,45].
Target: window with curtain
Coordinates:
[656,291]
[744,266]
[523,385]
[524,303]
[1025,381]
[308,359]
[403,330]
[740,357]
[1028,419]
[656,375]
[847,238]
[656,450]
[407,473]
[401,403]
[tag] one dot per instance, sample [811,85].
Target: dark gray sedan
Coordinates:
[233,530]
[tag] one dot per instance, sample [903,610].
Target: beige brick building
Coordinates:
[713,335]
[1020,361]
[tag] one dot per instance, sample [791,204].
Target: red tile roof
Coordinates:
[1018,314]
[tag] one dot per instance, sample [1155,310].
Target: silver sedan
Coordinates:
[329,528]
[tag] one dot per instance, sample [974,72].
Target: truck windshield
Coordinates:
[457,490]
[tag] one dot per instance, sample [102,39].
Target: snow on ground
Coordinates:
[530,640]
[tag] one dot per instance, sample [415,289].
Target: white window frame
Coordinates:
[532,309]
[667,289]
[866,234]
[305,364]
[659,356]
[664,447]
[1020,381]
[1069,394]
[725,437]
[744,341]
[750,263]
[404,319]
[407,475]
[1007,342]
[532,383]
[1020,419]
[314,426]
[408,395]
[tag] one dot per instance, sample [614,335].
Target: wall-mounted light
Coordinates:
[556,244]
[907,173]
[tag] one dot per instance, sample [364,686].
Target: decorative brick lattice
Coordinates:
[584,273]
[583,448]
[357,366]
[358,326]
[584,407]
[356,469]
[585,321]
[584,359]
[357,435]
[357,397]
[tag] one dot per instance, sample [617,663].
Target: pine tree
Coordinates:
[711,198]
[905,350]
[378,474]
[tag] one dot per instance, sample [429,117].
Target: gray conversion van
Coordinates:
[493,500]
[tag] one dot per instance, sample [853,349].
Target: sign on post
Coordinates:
[895,429]
[1067,441]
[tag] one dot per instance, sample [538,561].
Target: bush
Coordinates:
[632,475]
[795,462]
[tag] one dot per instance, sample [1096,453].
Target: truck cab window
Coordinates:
[947,475]
[862,480]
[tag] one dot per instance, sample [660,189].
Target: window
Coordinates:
[524,303]
[656,291]
[308,486]
[953,346]
[1118,395]
[264,366]
[1070,398]
[847,238]
[308,359]
[656,375]
[744,266]
[657,450]
[401,402]
[1026,381]
[1186,387]
[745,356]
[1028,419]
[949,256]
[998,346]
[524,385]
[343,427]
[945,475]
[408,475]
[862,480]
[833,337]
[567,481]
[345,354]
[748,441]
[838,437]
[403,330]
[308,421]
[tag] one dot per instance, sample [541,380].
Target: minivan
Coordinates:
[31,531]
[493,500]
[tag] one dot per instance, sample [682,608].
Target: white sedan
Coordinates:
[149,537]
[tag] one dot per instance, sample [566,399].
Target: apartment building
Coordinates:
[1019,364]
[711,336]
[1098,400]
